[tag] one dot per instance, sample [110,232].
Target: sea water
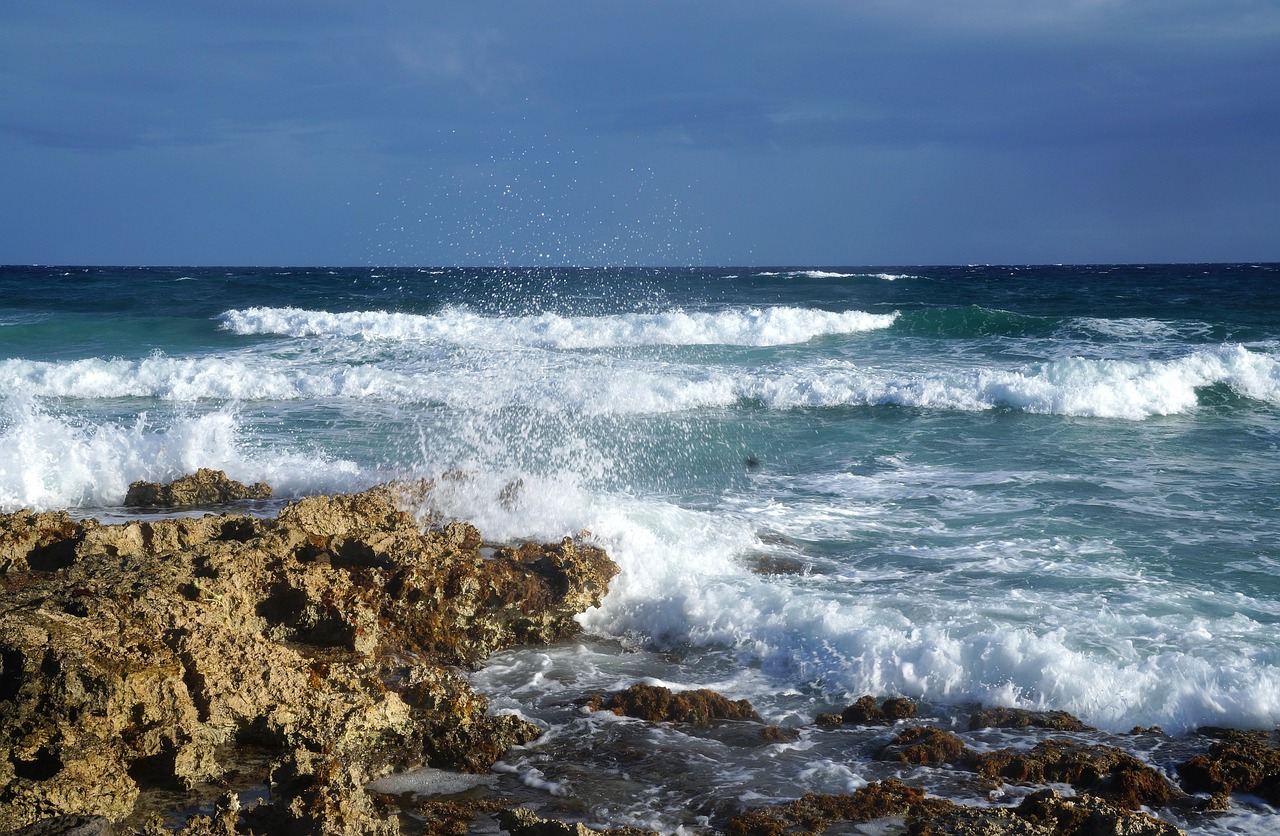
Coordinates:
[1046,487]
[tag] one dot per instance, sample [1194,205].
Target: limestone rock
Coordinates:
[924,745]
[524,822]
[204,487]
[1021,718]
[1101,770]
[1240,761]
[659,704]
[865,712]
[134,657]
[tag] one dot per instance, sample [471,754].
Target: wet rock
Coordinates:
[658,704]
[768,564]
[815,812]
[143,653]
[524,822]
[828,721]
[924,745]
[1101,770]
[204,487]
[1044,813]
[865,711]
[69,825]
[777,734]
[1021,718]
[1085,815]
[1241,761]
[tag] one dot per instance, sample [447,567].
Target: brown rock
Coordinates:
[133,657]
[865,712]
[524,822]
[1084,815]
[1241,761]
[1102,770]
[204,487]
[1044,813]
[658,704]
[814,812]
[1021,718]
[924,745]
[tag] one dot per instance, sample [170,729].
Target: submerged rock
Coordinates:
[658,704]
[135,657]
[204,487]
[1021,718]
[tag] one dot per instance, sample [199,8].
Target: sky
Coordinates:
[806,132]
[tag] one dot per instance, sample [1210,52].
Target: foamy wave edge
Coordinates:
[747,327]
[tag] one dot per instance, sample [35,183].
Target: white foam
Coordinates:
[480,379]
[746,326]
[53,461]
[1129,389]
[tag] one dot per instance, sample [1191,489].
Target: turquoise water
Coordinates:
[1051,487]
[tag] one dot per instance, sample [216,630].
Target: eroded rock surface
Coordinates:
[658,704]
[1043,813]
[1021,718]
[138,656]
[204,487]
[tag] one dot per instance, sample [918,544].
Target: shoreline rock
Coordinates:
[135,657]
[204,487]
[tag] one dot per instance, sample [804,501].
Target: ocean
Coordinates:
[1051,487]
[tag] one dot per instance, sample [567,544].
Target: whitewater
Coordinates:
[1044,487]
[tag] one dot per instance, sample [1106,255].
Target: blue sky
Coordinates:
[811,132]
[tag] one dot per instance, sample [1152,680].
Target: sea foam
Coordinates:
[51,461]
[750,327]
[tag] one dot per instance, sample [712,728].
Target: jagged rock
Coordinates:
[69,825]
[133,656]
[865,712]
[814,812]
[1021,718]
[1102,770]
[1241,761]
[924,745]
[1043,813]
[1085,815]
[658,704]
[44,542]
[524,822]
[204,487]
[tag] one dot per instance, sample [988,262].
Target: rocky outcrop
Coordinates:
[204,487]
[865,711]
[140,656]
[658,704]
[1240,761]
[925,745]
[1101,770]
[1044,813]
[1021,718]
[525,822]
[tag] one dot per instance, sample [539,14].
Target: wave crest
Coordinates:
[746,327]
